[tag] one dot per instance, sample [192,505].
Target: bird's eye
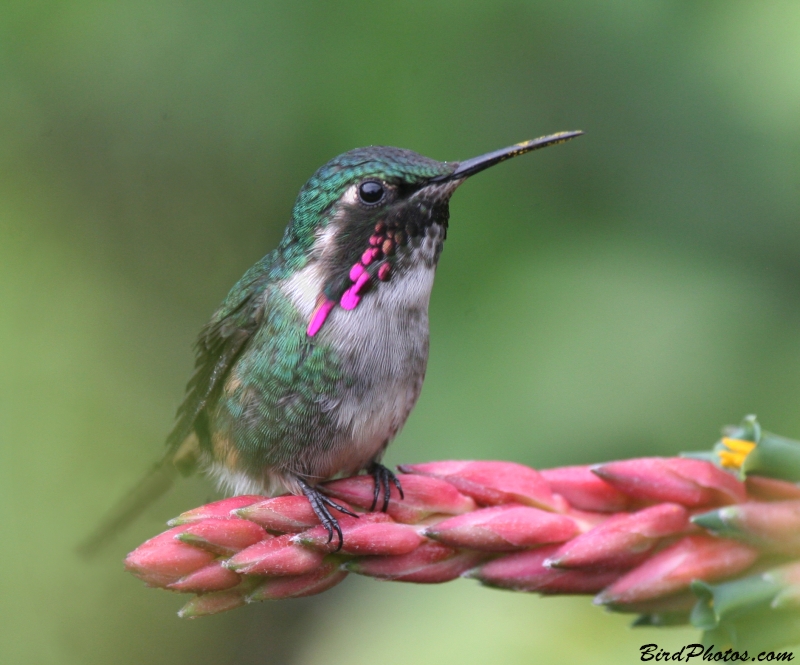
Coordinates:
[370,192]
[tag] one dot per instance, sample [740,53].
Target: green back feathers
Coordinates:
[273,407]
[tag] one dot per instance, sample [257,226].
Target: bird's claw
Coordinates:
[383,477]
[321,505]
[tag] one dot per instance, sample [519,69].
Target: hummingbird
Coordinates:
[313,362]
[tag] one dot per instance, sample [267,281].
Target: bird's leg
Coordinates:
[383,477]
[320,504]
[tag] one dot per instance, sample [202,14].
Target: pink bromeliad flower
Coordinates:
[713,537]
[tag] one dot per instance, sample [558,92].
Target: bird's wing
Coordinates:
[219,345]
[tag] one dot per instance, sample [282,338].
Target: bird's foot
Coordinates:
[383,477]
[321,504]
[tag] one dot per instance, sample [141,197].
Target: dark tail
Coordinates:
[155,483]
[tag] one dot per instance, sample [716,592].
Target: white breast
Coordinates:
[383,342]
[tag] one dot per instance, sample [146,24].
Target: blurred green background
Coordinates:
[625,294]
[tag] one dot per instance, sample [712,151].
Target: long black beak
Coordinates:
[471,166]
